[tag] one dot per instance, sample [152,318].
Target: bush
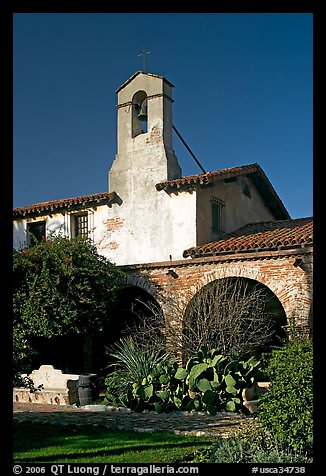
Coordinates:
[251,443]
[217,381]
[116,388]
[61,287]
[286,408]
[241,451]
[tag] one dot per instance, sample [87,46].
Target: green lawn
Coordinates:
[34,443]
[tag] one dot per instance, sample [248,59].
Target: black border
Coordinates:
[8,9]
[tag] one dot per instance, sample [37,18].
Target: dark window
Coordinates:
[81,225]
[246,189]
[218,215]
[36,232]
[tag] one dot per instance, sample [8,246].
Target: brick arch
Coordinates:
[286,277]
[165,299]
[290,296]
[143,283]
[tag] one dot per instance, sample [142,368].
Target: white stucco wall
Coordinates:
[19,236]
[148,226]
[136,231]
[53,224]
[57,224]
[148,230]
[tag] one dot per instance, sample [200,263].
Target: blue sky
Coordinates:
[243,94]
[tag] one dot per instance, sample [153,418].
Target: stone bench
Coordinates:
[55,387]
[250,395]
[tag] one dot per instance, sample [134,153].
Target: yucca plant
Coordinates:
[132,363]
[136,361]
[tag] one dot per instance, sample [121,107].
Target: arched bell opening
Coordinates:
[238,316]
[139,113]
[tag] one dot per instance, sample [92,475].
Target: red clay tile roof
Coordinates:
[254,171]
[209,177]
[57,205]
[259,236]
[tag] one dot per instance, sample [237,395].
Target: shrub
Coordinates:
[62,287]
[162,390]
[116,385]
[251,443]
[21,360]
[286,408]
[241,451]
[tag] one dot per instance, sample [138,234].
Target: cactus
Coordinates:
[209,382]
[181,374]
[203,385]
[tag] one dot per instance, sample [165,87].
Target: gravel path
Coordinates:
[179,423]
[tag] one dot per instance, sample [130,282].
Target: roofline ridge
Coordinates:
[277,221]
[211,172]
[139,71]
[63,200]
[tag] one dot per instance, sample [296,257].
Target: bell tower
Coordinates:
[144,152]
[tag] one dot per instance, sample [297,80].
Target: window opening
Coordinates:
[80,225]
[245,188]
[36,232]
[218,215]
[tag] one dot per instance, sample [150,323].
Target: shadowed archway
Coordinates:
[66,352]
[132,305]
[234,314]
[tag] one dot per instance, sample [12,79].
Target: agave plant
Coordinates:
[135,362]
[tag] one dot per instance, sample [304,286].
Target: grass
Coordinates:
[35,443]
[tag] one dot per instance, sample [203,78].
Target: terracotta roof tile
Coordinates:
[254,171]
[57,205]
[208,177]
[259,236]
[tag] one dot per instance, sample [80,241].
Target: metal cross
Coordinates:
[143,54]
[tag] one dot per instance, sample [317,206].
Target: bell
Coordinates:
[142,115]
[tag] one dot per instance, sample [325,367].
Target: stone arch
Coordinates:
[133,304]
[70,357]
[63,352]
